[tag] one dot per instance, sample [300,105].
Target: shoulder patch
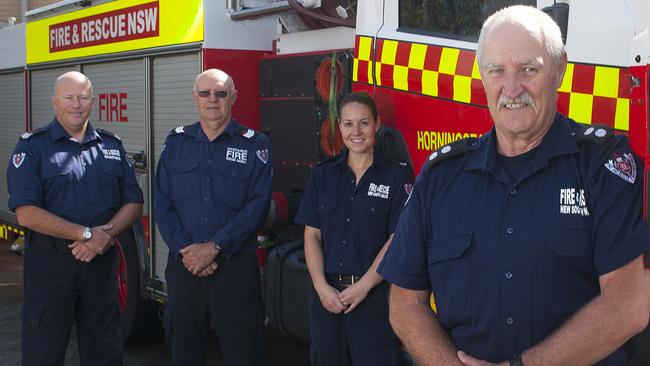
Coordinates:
[108,133]
[178,130]
[592,133]
[29,134]
[456,148]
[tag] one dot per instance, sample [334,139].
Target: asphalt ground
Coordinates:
[279,349]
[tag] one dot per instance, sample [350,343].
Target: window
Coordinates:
[458,19]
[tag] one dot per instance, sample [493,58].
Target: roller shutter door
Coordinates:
[12,125]
[173,79]
[42,89]
[119,105]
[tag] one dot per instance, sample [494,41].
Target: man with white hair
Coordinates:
[213,191]
[73,188]
[531,237]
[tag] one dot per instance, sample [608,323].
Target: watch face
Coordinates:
[87,234]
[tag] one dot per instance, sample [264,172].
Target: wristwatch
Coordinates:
[87,234]
[516,361]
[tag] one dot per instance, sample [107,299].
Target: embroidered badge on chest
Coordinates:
[18,159]
[573,202]
[263,155]
[623,165]
[380,190]
[113,154]
[236,155]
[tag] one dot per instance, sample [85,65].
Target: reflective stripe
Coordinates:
[588,94]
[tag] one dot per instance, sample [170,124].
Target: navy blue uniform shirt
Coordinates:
[85,183]
[509,261]
[355,220]
[217,190]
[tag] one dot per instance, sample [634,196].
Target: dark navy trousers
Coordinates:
[362,337]
[231,297]
[59,291]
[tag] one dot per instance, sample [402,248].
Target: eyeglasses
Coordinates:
[217,93]
[83,99]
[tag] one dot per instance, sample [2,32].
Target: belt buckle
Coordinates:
[352,280]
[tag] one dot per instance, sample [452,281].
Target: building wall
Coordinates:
[11,8]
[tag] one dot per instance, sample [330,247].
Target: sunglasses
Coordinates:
[217,93]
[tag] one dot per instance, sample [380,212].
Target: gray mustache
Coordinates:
[523,98]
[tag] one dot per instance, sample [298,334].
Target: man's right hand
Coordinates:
[209,270]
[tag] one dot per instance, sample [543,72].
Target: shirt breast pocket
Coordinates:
[234,181]
[451,274]
[111,174]
[184,178]
[570,255]
[58,180]
[373,215]
[327,214]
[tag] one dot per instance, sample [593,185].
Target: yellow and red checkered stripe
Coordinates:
[589,93]
[6,229]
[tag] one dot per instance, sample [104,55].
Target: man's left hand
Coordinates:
[101,240]
[468,360]
[198,256]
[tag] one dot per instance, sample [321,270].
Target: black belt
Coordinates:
[342,279]
[48,243]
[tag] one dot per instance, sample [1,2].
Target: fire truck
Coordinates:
[292,61]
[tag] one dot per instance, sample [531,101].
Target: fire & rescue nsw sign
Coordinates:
[123,25]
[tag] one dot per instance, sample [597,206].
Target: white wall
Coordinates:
[12,47]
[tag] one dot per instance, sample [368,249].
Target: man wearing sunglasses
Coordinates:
[213,191]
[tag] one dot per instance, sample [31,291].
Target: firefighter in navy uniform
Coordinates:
[73,188]
[350,208]
[531,237]
[213,192]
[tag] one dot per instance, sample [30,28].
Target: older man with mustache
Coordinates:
[531,237]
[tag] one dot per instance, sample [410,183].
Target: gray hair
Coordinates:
[528,17]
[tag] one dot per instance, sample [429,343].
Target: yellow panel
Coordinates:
[580,106]
[417,56]
[355,69]
[568,79]
[370,68]
[178,23]
[401,78]
[365,45]
[476,74]
[432,302]
[606,82]
[622,119]
[378,72]
[462,88]
[430,83]
[448,60]
[388,52]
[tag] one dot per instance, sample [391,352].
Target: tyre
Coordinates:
[140,321]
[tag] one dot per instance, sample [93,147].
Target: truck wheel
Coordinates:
[140,322]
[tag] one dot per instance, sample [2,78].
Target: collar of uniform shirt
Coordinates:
[57,132]
[558,141]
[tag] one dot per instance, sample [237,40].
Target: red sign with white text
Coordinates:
[141,21]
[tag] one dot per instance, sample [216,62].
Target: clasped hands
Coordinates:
[200,258]
[101,241]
